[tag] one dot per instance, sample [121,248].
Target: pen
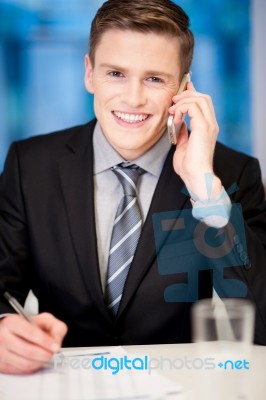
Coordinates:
[16,306]
[85,355]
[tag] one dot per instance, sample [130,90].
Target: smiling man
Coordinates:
[76,206]
[133,88]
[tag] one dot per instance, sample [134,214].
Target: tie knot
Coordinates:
[128,176]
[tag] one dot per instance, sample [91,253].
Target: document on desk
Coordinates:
[98,374]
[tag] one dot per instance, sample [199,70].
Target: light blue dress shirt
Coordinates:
[108,191]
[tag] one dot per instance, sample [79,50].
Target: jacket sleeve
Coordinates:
[15,263]
[251,196]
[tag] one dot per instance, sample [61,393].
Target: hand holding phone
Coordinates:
[172,128]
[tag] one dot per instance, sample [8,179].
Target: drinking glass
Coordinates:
[224,329]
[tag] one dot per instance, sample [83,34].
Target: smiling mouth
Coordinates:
[131,118]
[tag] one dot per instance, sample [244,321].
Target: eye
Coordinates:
[116,74]
[154,79]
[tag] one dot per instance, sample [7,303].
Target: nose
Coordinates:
[134,94]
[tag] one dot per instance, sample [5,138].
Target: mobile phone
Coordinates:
[172,128]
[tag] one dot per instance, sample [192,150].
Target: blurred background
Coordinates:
[42,48]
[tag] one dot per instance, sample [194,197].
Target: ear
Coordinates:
[88,77]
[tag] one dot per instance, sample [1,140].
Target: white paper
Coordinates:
[71,381]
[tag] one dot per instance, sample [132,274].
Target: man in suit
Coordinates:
[59,194]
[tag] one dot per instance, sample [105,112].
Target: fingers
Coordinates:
[26,347]
[192,102]
[54,327]
[14,363]
[194,154]
[200,109]
[33,333]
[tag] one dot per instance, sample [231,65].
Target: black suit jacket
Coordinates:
[48,242]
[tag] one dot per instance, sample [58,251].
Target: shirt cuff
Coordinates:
[213,212]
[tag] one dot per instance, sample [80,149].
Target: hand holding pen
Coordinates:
[28,343]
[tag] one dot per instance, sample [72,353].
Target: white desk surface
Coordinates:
[188,379]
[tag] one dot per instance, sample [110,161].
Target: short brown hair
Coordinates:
[159,16]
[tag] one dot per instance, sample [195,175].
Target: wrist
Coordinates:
[204,186]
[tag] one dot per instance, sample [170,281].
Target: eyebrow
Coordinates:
[150,72]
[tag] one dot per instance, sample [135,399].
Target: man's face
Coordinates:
[134,77]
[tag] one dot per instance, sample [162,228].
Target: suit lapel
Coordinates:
[168,196]
[76,172]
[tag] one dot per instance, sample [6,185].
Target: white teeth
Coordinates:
[131,118]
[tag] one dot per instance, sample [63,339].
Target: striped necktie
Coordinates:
[125,235]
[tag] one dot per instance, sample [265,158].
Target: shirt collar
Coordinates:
[105,156]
